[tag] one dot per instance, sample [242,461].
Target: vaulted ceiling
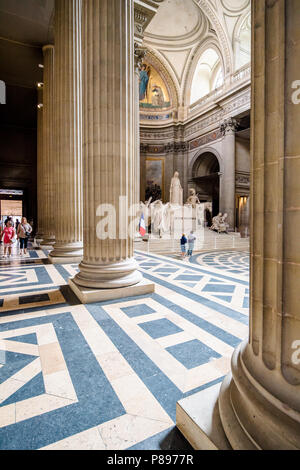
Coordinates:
[183,29]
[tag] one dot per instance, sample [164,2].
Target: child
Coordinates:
[9,233]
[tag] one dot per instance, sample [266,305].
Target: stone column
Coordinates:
[68,246]
[40,171]
[108,269]
[48,179]
[259,401]
[227,180]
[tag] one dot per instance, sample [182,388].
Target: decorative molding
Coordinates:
[228,126]
[206,139]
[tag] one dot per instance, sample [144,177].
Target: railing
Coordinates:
[241,75]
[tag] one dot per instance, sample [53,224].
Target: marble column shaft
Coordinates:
[48,147]
[68,125]
[227,181]
[40,171]
[260,403]
[108,143]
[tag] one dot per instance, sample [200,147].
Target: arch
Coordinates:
[209,44]
[173,90]
[242,41]
[205,175]
[204,150]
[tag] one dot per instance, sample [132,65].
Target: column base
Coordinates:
[48,242]
[198,419]
[65,259]
[86,295]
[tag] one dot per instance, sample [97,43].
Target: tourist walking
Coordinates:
[8,234]
[183,242]
[24,230]
[191,243]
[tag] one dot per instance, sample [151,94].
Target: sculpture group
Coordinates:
[160,217]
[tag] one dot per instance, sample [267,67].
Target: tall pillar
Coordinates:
[259,400]
[227,180]
[48,179]
[108,269]
[68,246]
[40,171]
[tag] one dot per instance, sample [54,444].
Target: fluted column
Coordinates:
[108,146]
[68,121]
[260,402]
[48,179]
[227,180]
[40,171]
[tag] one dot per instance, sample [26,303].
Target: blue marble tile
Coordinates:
[185,277]
[218,288]
[159,328]
[192,353]
[201,300]
[97,404]
[246,302]
[137,310]
[189,284]
[31,299]
[30,338]
[14,362]
[226,298]
[31,389]
[166,270]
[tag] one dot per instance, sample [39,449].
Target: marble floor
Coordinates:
[108,375]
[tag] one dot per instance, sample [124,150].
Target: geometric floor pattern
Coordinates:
[108,375]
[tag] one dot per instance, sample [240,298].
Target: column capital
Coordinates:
[47,46]
[144,11]
[229,126]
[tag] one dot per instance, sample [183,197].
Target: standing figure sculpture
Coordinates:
[157,210]
[176,193]
[193,198]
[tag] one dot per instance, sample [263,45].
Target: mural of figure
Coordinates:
[176,193]
[157,96]
[144,79]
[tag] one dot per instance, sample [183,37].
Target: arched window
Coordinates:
[208,75]
[242,44]
[2,92]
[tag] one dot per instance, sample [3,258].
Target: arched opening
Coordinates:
[242,44]
[206,179]
[208,75]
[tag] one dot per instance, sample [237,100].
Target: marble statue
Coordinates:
[157,212]
[223,226]
[176,193]
[193,199]
[167,217]
[216,222]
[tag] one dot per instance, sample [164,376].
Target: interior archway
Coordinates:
[206,179]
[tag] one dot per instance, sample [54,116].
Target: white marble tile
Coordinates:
[126,431]
[86,440]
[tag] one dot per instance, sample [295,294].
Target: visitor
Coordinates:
[191,242]
[183,242]
[17,224]
[8,238]
[24,230]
